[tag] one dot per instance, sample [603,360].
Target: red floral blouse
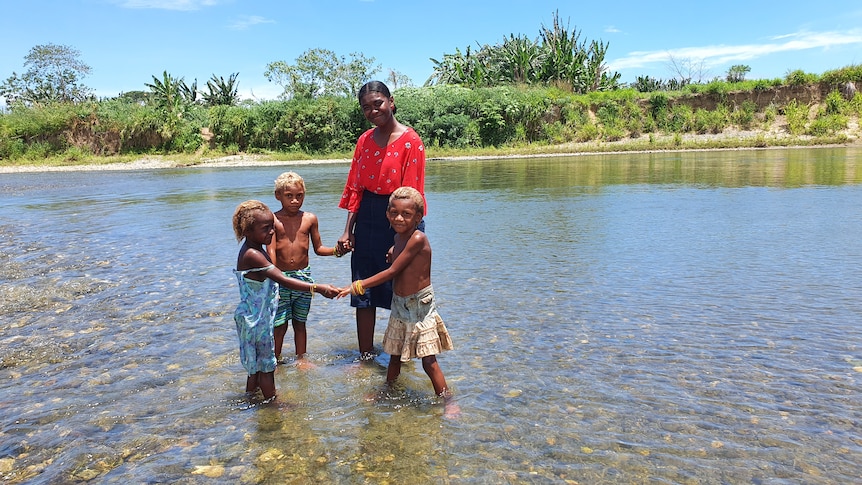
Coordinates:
[382,170]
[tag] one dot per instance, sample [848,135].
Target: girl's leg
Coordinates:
[365,329]
[267,384]
[251,384]
[394,369]
[432,368]
[278,333]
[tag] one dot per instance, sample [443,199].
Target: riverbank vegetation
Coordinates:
[520,96]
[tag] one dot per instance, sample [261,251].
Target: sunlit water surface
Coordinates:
[644,318]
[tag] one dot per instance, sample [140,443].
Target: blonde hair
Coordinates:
[411,194]
[244,216]
[288,179]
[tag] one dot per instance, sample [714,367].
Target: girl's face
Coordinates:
[377,108]
[261,231]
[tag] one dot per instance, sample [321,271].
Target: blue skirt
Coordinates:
[372,239]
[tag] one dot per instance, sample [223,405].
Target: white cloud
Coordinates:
[185,5]
[721,54]
[612,30]
[246,21]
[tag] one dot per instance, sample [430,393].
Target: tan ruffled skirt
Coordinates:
[415,329]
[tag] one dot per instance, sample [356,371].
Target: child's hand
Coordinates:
[328,291]
[344,292]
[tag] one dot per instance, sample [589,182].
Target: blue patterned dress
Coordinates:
[254,317]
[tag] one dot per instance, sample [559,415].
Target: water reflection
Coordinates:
[717,168]
[670,317]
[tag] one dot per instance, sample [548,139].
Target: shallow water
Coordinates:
[644,318]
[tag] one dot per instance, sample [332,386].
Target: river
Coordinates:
[686,317]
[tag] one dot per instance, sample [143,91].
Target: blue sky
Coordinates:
[126,42]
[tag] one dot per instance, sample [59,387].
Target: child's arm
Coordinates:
[270,248]
[404,258]
[253,258]
[319,248]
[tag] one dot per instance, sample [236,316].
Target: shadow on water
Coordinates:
[667,317]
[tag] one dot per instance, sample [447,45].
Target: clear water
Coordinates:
[639,318]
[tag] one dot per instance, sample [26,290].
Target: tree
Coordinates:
[54,73]
[321,72]
[172,95]
[736,73]
[687,69]
[221,92]
[555,57]
[397,79]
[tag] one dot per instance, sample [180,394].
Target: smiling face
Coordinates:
[403,215]
[377,108]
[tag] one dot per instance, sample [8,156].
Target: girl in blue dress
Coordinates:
[258,279]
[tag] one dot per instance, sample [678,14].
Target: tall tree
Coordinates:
[221,92]
[172,95]
[321,72]
[556,57]
[54,73]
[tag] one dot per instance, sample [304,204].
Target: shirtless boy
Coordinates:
[295,232]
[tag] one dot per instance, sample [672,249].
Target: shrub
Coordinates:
[612,133]
[743,115]
[769,114]
[834,104]
[587,132]
[828,125]
[855,104]
[681,119]
[799,77]
[710,121]
[659,106]
[839,77]
[797,117]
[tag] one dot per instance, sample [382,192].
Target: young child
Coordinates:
[295,232]
[259,281]
[415,328]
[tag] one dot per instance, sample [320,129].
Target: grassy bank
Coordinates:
[454,121]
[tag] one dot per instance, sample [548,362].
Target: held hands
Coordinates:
[344,245]
[355,288]
[328,291]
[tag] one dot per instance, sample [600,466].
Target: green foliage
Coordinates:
[714,121]
[681,119]
[646,84]
[54,74]
[321,73]
[855,104]
[834,104]
[172,96]
[838,77]
[445,115]
[796,115]
[556,58]
[221,91]
[769,114]
[743,116]
[736,73]
[799,77]
[587,132]
[659,107]
[827,125]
